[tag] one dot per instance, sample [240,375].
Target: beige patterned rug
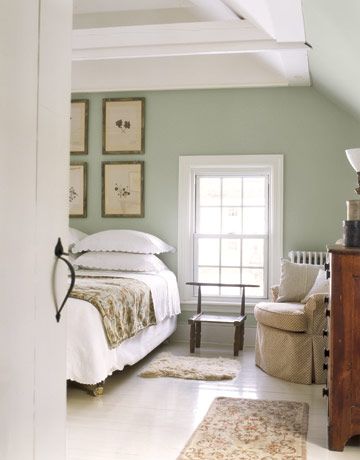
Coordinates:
[250,429]
[192,367]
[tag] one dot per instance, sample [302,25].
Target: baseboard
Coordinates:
[214,334]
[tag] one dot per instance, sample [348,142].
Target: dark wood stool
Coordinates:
[200,317]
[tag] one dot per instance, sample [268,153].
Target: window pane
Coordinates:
[232,191]
[209,191]
[254,191]
[253,252]
[253,276]
[230,252]
[230,276]
[209,275]
[232,230]
[231,222]
[208,251]
[254,221]
[209,220]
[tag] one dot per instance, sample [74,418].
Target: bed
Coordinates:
[91,355]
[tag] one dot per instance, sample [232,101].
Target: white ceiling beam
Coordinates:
[188,49]
[223,71]
[200,43]
[296,69]
[161,34]
[287,20]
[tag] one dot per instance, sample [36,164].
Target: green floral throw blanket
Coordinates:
[125,305]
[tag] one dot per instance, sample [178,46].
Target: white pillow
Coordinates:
[296,280]
[120,261]
[123,241]
[75,236]
[320,286]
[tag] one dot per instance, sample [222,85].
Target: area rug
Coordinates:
[249,429]
[192,367]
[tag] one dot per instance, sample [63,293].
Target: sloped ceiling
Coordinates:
[333,30]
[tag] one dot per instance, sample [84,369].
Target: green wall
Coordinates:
[308,129]
[334,35]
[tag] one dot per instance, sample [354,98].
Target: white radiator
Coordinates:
[308,257]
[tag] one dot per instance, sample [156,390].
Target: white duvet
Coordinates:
[89,359]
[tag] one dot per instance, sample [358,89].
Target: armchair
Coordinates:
[289,338]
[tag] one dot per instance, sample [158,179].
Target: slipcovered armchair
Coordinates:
[289,338]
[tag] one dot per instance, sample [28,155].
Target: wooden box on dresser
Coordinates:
[343,355]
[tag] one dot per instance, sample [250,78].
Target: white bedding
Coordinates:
[89,359]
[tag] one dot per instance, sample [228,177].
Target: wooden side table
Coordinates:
[200,317]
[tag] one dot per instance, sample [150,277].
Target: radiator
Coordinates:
[308,257]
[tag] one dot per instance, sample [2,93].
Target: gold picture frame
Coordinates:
[78,189]
[123,125]
[79,127]
[123,189]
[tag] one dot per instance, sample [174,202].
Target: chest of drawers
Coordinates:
[343,354]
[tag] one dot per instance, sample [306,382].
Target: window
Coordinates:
[230,237]
[230,224]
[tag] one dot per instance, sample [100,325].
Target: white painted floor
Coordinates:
[152,419]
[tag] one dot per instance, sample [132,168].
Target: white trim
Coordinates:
[93,87]
[188,166]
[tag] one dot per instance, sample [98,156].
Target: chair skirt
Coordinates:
[293,356]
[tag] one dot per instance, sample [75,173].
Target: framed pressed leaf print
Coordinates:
[79,126]
[78,190]
[123,125]
[123,189]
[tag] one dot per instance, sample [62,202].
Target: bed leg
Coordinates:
[95,390]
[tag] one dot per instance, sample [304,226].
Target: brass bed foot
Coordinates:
[94,390]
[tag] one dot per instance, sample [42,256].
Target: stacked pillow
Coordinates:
[74,237]
[125,250]
[298,282]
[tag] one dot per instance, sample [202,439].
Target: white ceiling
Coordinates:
[174,44]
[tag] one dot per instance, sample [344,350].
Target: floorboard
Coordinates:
[152,419]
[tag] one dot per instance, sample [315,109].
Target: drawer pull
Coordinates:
[327,312]
[325,366]
[325,333]
[325,392]
[326,353]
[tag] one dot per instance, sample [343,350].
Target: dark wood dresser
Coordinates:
[343,354]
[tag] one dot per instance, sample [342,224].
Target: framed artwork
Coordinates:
[124,125]
[123,189]
[79,126]
[78,190]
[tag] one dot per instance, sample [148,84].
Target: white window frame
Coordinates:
[189,167]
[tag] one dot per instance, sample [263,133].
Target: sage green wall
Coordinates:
[332,28]
[308,129]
